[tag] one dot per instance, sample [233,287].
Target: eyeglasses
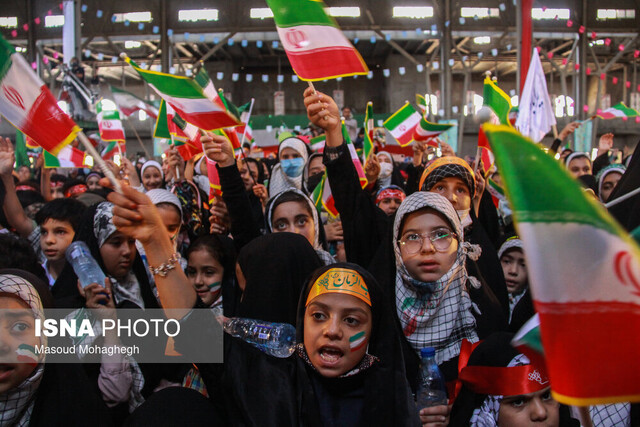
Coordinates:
[440,239]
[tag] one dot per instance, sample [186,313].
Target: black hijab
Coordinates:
[275,267]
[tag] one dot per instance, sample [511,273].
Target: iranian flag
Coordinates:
[618,111]
[427,131]
[244,130]
[421,102]
[215,189]
[354,157]
[403,123]
[315,46]
[188,99]
[323,197]
[109,124]
[317,143]
[112,148]
[367,145]
[584,276]
[68,157]
[27,354]
[27,103]
[128,103]
[498,101]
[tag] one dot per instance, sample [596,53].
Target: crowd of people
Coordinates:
[420,257]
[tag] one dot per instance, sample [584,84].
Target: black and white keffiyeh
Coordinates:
[16,405]
[324,255]
[487,414]
[436,314]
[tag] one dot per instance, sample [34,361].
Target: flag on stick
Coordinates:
[109,124]
[112,148]
[68,157]
[128,103]
[369,128]
[584,275]
[402,124]
[429,132]
[317,143]
[421,101]
[215,189]
[315,46]
[498,101]
[188,99]
[27,103]
[536,115]
[618,111]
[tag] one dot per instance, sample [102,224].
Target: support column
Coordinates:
[71,30]
[581,58]
[165,49]
[525,34]
[445,54]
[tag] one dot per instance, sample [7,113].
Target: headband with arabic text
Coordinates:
[342,281]
[512,381]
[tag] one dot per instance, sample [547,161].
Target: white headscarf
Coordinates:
[280,181]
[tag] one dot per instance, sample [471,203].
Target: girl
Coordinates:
[210,270]
[515,273]
[389,173]
[292,156]
[294,212]
[347,368]
[151,175]
[607,180]
[578,164]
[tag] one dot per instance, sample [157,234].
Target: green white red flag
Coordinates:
[112,148]
[369,128]
[315,46]
[584,275]
[317,143]
[129,103]
[618,111]
[215,189]
[188,99]
[421,102]
[109,124]
[429,132]
[68,157]
[26,102]
[498,101]
[402,124]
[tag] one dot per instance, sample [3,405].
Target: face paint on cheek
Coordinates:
[357,341]
[214,287]
[27,354]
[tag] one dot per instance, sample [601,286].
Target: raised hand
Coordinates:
[7,157]
[372,168]
[218,148]
[322,110]
[130,171]
[568,130]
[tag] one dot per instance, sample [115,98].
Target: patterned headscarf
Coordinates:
[103,226]
[616,167]
[435,314]
[487,414]
[324,255]
[447,167]
[279,181]
[17,403]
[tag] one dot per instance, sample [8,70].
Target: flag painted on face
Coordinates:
[402,124]
[357,341]
[315,46]
[584,274]
[27,354]
[26,102]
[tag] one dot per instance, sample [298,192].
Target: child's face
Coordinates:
[337,329]
[389,205]
[294,217]
[92,183]
[455,190]
[17,327]
[151,178]
[205,275]
[55,237]
[427,264]
[171,219]
[118,253]
[515,270]
[56,193]
[535,409]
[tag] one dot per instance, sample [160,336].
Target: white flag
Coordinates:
[535,111]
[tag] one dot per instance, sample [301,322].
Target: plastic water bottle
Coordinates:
[86,268]
[275,339]
[431,390]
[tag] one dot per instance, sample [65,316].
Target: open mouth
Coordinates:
[5,371]
[330,355]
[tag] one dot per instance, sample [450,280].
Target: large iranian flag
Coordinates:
[618,111]
[369,128]
[402,124]
[427,131]
[498,101]
[128,103]
[314,44]
[187,97]
[27,103]
[584,274]
[109,124]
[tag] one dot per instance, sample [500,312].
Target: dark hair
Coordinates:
[256,162]
[29,197]
[69,210]
[56,177]
[214,246]
[16,252]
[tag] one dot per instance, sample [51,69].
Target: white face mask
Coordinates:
[465,218]
[385,170]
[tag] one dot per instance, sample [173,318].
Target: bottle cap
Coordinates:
[427,352]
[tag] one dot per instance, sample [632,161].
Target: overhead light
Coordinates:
[482,40]
[9,21]
[480,12]
[193,15]
[51,21]
[616,14]
[108,105]
[415,12]
[260,13]
[540,13]
[349,12]
[132,17]
[130,44]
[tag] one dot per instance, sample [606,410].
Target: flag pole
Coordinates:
[146,153]
[244,157]
[315,92]
[173,145]
[100,161]
[622,198]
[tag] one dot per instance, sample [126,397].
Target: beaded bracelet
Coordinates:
[163,269]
